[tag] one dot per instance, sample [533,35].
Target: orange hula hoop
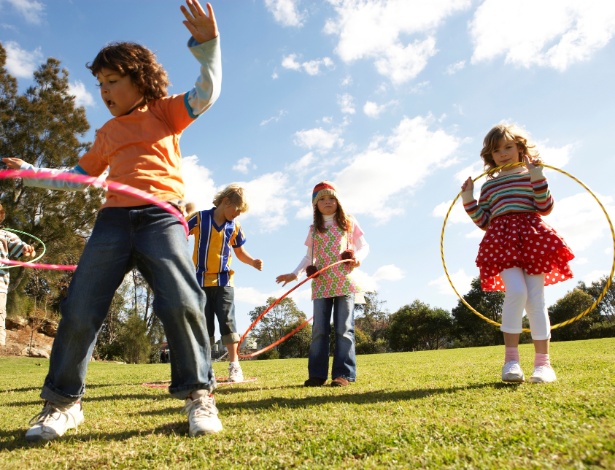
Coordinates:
[268,309]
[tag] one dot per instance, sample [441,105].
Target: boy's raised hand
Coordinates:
[201,25]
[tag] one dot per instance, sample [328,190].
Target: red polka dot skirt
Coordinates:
[522,240]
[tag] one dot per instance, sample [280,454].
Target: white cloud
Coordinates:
[311,67]
[286,12]
[318,139]
[31,10]
[378,31]
[251,296]
[268,199]
[456,67]
[581,221]
[460,279]
[200,186]
[243,165]
[303,164]
[275,118]
[346,103]
[373,110]
[82,96]
[549,33]
[557,157]
[392,165]
[19,62]
[371,283]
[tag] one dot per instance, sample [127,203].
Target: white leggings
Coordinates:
[524,291]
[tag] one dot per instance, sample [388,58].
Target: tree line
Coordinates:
[44,126]
[418,326]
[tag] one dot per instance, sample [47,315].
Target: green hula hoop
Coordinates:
[27,235]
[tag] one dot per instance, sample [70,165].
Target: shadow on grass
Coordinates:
[15,439]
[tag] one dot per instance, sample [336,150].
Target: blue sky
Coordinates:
[388,99]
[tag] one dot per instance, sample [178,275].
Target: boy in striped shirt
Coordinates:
[217,235]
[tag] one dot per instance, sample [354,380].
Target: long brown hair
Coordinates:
[341,219]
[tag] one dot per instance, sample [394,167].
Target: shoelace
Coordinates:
[46,413]
[202,406]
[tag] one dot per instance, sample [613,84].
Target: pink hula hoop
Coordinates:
[92,181]
[268,309]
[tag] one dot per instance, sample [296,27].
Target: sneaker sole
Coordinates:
[540,381]
[204,432]
[514,380]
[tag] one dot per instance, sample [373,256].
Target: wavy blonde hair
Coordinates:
[510,132]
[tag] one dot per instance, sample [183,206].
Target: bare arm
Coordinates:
[244,257]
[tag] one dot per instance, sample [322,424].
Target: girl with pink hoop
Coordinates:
[140,147]
[519,253]
[333,236]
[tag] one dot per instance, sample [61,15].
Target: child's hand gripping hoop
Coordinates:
[564,323]
[9,263]
[288,335]
[92,181]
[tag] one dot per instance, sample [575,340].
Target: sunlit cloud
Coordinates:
[244,165]
[21,63]
[396,35]
[375,179]
[311,67]
[286,12]
[346,103]
[82,96]
[32,11]
[549,33]
[318,139]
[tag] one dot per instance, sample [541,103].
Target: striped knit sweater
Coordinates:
[509,193]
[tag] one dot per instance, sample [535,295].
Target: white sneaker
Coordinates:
[235,374]
[511,372]
[202,415]
[54,421]
[543,375]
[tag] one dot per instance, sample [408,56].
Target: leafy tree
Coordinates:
[468,328]
[419,327]
[133,340]
[43,127]
[279,321]
[371,325]
[606,307]
[568,307]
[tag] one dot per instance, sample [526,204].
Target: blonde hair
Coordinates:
[509,132]
[235,194]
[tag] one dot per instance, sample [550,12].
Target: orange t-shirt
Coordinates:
[141,150]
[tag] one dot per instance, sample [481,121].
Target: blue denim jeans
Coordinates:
[153,241]
[221,305]
[344,356]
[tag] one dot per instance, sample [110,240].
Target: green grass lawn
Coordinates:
[436,409]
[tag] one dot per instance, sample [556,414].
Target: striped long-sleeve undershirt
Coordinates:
[506,194]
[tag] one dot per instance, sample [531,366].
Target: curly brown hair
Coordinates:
[136,61]
[507,132]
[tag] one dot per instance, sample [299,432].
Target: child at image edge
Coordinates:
[332,234]
[519,252]
[215,232]
[140,147]
[11,246]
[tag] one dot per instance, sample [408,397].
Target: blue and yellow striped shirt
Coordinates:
[213,245]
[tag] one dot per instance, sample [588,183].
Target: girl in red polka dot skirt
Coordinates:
[519,253]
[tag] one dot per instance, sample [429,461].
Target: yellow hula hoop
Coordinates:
[564,323]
